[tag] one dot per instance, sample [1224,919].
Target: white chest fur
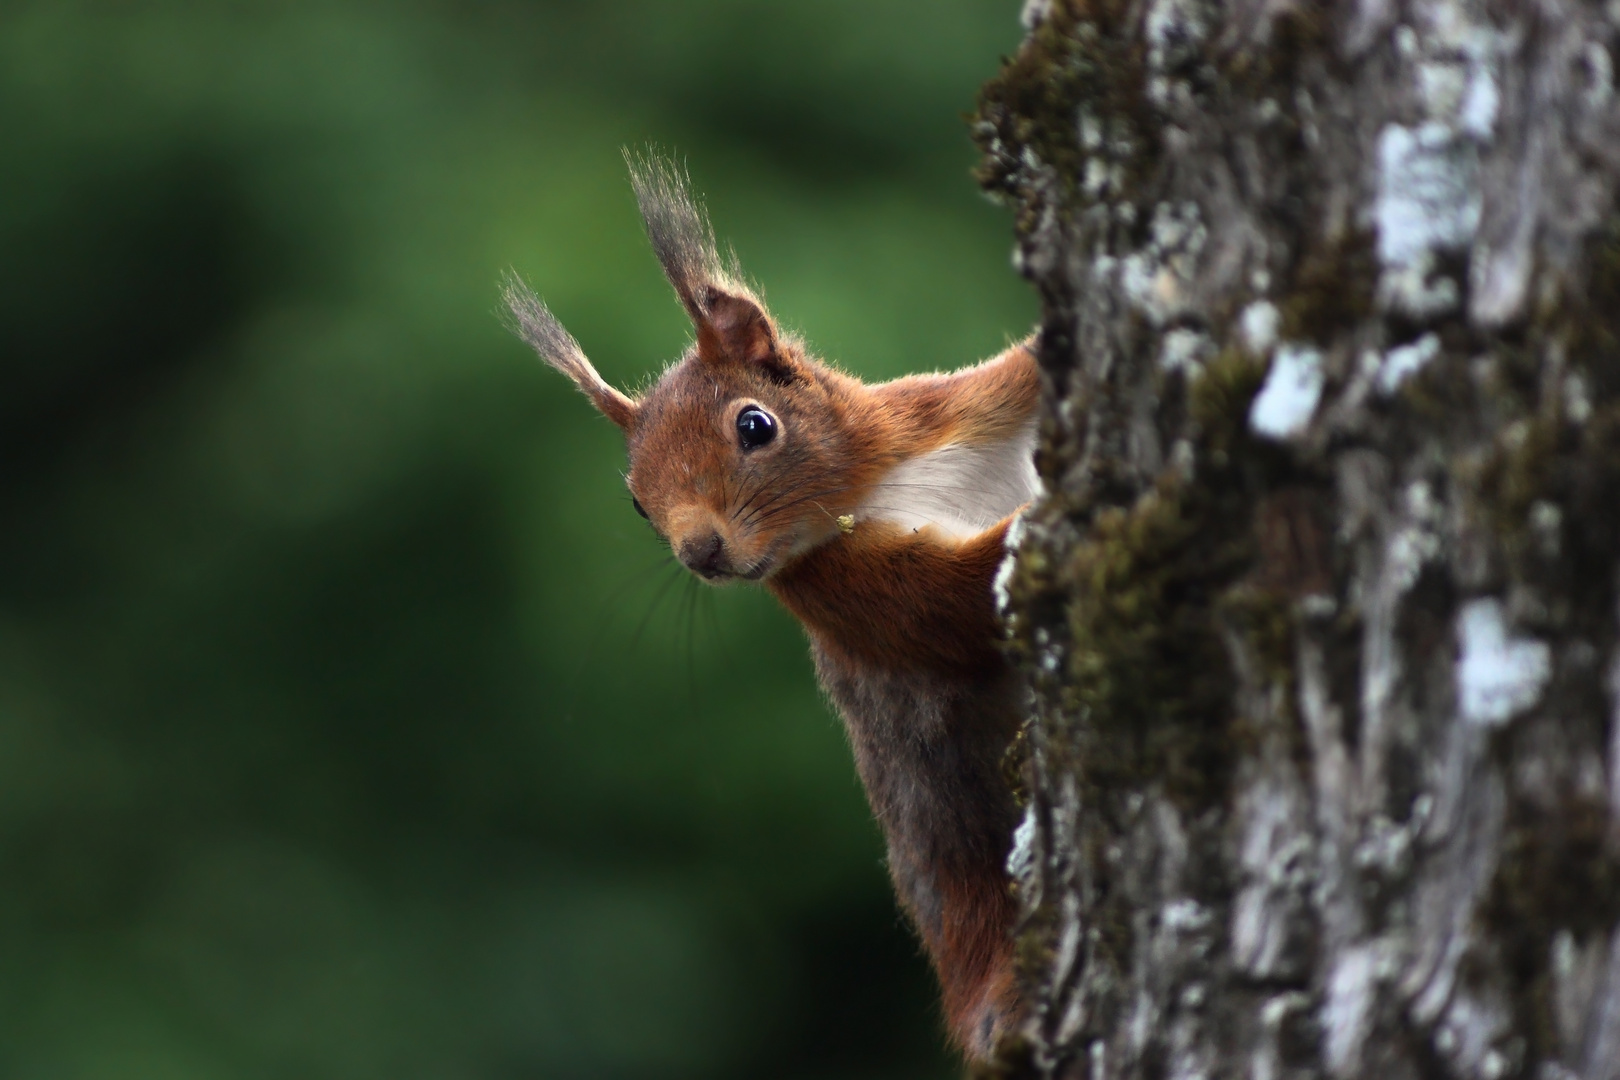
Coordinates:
[960,488]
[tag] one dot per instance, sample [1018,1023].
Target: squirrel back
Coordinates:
[877,515]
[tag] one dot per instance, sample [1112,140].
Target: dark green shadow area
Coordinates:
[351,723]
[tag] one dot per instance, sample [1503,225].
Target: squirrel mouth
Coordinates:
[717,576]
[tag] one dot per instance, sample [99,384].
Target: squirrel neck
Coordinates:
[900,600]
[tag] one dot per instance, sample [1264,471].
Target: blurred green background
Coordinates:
[351,724]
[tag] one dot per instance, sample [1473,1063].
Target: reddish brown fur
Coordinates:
[900,621]
[977,950]
[928,750]
[934,596]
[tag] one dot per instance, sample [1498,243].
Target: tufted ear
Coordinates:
[733,326]
[679,229]
[730,321]
[539,327]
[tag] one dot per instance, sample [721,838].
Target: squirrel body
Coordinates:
[878,516]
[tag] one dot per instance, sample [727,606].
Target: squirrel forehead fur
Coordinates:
[877,514]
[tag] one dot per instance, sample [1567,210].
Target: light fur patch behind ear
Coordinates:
[557,347]
[960,488]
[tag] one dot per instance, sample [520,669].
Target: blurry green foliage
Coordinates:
[351,724]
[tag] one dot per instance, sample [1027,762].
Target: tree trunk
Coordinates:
[1320,607]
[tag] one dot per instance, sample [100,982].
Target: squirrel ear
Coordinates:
[536,325]
[732,326]
[677,225]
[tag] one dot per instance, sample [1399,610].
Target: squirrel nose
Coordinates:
[705,555]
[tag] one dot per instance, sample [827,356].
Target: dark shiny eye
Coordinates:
[642,510]
[755,427]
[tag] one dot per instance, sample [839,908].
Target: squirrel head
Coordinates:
[740,453]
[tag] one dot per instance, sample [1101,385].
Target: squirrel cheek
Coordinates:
[803,536]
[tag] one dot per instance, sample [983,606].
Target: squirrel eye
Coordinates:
[635,502]
[755,427]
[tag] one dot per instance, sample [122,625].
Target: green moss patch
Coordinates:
[1150,588]
[1332,290]
[1081,56]
[1558,874]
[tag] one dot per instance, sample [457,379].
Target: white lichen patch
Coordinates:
[1428,192]
[1258,326]
[1497,675]
[1470,1031]
[1021,859]
[1600,75]
[1184,459]
[1089,128]
[1034,13]
[1414,290]
[1402,363]
[1184,916]
[1178,228]
[1276,860]
[1480,104]
[1174,30]
[1442,86]
[1386,849]
[1547,527]
[1154,278]
[1428,200]
[1577,402]
[1184,351]
[1347,1008]
[1462,91]
[1017,528]
[1001,586]
[1290,395]
[1100,178]
[1416,541]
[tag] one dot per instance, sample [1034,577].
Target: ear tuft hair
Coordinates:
[535,324]
[678,226]
[731,321]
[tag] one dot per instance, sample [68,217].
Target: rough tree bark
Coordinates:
[1320,609]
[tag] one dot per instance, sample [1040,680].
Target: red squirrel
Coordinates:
[878,516]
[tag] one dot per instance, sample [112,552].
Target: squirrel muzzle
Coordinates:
[705,555]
